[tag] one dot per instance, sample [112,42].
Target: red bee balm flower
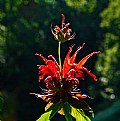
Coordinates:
[62,34]
[61,85]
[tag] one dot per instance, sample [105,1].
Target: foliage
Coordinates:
[78,114]
[108,62]
[82,5]
[45,116]
[1,103]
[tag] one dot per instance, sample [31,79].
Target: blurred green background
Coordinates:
[25,30]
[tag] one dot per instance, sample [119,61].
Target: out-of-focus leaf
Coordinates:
[79,114]
[1,103]
[45,116]
[82,5]
[66,108]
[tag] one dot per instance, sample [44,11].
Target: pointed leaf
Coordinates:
[55,108]
[45,116]
[51,111]
[66,108]
[79,115]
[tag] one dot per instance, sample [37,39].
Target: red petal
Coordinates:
[91,74]
[41,77]
[42,67]
[45,70]
[63,19]
[71,73]
[42,57]
[49,78]
[51,65]
[56,64]
[81,96]
[74,81]
[66,66]
[82,62]
[72,59]
[79,74]
[57,29]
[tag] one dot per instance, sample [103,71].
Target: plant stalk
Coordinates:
[59,58]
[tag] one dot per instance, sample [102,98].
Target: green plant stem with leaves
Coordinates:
[60,90]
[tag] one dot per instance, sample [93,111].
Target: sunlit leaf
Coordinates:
[66,108]
[51,111]
[45,116]
[79,114]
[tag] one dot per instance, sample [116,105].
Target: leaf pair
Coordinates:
[68,110]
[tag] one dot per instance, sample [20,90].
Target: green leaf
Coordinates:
[50,112]
[1,103]
[55,108]
[79,114]
[66,108]
[45,116]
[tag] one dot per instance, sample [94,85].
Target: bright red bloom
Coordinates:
[62,34]
[62,85]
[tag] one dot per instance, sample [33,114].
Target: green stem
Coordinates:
[59,57]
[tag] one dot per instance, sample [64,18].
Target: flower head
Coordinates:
[64,33]
[63,85]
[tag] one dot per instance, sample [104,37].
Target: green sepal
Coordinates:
[62,37]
